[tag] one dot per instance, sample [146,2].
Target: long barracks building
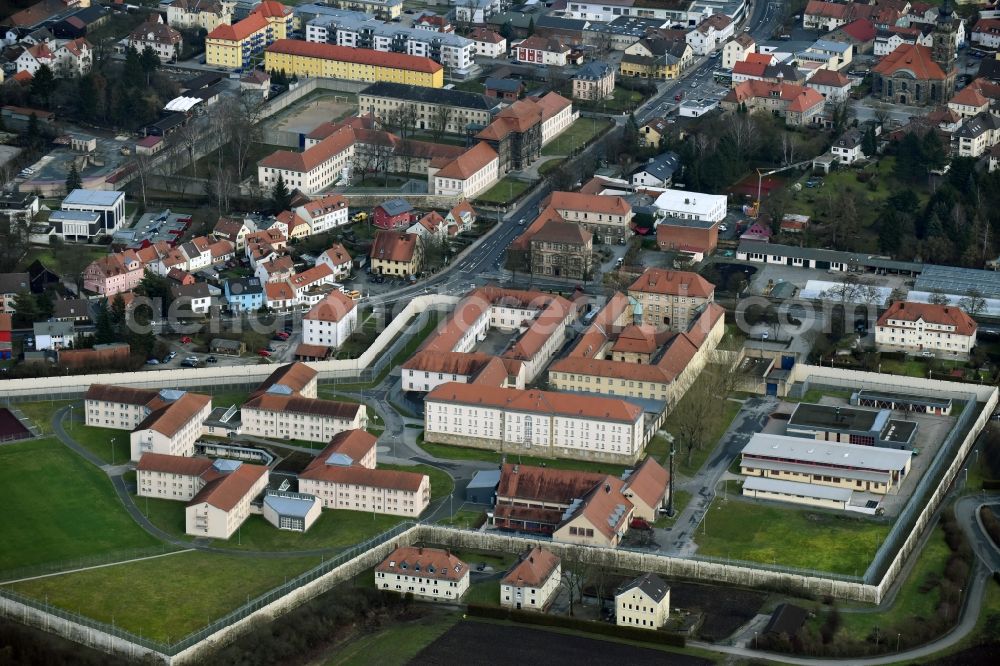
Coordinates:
[340,62]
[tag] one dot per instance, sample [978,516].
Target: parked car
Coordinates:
[212,359]
[640,524]
[152,361]
[282,335]
[263,352]
[191,359]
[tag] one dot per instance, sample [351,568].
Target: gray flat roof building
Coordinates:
[866,427]
[810,257]
[847,458]
[955,280]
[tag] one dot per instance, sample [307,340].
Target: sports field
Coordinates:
[803,538]
[57,507]
[168,597]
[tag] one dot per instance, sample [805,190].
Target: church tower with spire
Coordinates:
[944,48]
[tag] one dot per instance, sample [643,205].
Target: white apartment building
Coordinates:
[544,423]
[606,11]
[559,115]
[312,170]
[425,371]
[279,414]
[166,421]
[643,603]
[330,322]
[426,573]
[358,30]
[457,109]
[343,476]
[710,33]
[219,508]
[691,205]
[533,582]
[737,49]
[919,327]
[324,213]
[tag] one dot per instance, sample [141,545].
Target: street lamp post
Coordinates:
[897,642]
[112,450]
[670,499]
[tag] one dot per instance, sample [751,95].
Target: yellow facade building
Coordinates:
[232,46]
[341,62]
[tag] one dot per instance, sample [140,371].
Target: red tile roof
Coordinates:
[425,563]
[296,376]
[861,30]
[944,315]
[912,58]
[544,484]
[240,30]
[311,157]
[354,55]
[828,77]
[799,98]
[394,246]
[468,163]
[334,307]
[295,404]
[533,570]
[588,203]
[649,482]
[158,462]
[225,492]
[674,283]
[171,417]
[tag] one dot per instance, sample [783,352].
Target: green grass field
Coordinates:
[802,538]
[98,441]
[41,413]
[576,136]
[395,645]
[441,482]
[168,597]
[483,593]
[229,398]
[447,451]
[334,530]
[59,508]
[681,499]
[504,192]
[465,518]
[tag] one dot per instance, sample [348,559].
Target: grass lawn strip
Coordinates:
[576,136]
[447,451]
[801,538]
[504,192]
[167,598]
[98,441]
[699,456]
[40,413]
[335,529]
[396,645]
[58,508]
[465,518]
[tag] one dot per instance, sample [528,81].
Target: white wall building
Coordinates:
[278,414]
[426,573]
[692,205]
[330,322]
[109,203]
[533,582]
[643,603]
[925,327]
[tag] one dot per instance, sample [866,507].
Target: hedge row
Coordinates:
[588,626]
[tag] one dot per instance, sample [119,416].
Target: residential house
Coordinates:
[393,214]
[653,131]
[204,14]
[643,602]
[426,573]
[164,40]
[113,274]
[396,253]
[488,43]
[110,205]
[344,476]
[798,105]
[232,46]
[54,334]
[986,33]
[686,205]
[533,582]
[234,230]
[323,214]
[659,59]
[538,50]
[917,327]
[195,297]
[508,90]
[337,258]
[833,86]
[977,135]
[12,284]
[607,217]
[330,322]
[710,33]
[594,81]
[737,49]
[658,171]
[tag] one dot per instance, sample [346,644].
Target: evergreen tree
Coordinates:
[133,75]
[33,135]
[156,288]
[105,330]
[25,309]
[507,31]
[73,180]
[531,26]
[909,158]
[43,84]
[281,198]
[933,151]
[118,314]
[46,307]
[890,231]
[86,98]
[869,143]
[149,61]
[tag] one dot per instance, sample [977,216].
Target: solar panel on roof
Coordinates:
[171,395]
[226,466]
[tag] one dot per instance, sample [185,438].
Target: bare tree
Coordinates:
[187,137]
[938,297]
[573,579]
[144,166]
[243,119]
[440,121]
[218,186]
[973,302]
[881,112]
[742,131]
[787,148]
[695,415]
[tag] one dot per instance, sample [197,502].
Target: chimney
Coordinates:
[531,558]
[420,550]
[607,487]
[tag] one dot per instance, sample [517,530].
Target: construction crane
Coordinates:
[755,208]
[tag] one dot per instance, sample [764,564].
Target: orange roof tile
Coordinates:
[913,58]
[334,307]
[296,376]
[240,30]
[589,203]
[311,157]
[394,246]
[225,492]
[533,570]
[425,563]
[649,482]
[354,55]
[469,163]
[674,283]
[944,315]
